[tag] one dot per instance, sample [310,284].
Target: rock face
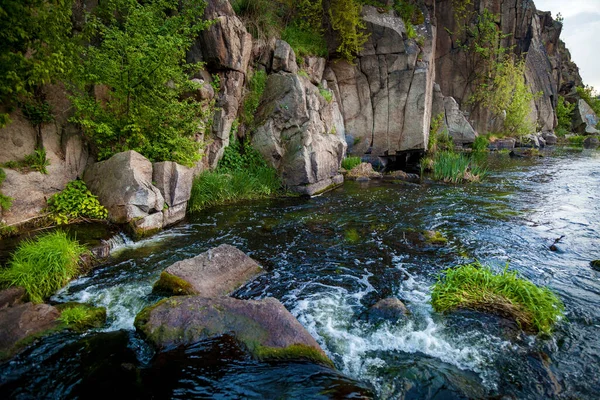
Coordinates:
[386,97]
[584,119]
[297,133]
[216,272]
[284,58]
[22,321]
[458,127]
[265,327]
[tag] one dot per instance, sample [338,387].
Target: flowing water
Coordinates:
[329,259]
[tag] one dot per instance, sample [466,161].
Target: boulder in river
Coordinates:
[264,326]
[591,142]
[390,309]
[216,272]
[595,265]
[363,171]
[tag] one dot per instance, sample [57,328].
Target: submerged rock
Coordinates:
[216,272]
[595,265]
[390,309]
[264,327]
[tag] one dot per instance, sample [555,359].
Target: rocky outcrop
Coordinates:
[148,197]
[264,327]
[386,96]
[226,48]
[284,58]
[216,272]
[66,153]
[297,133]
[584,119]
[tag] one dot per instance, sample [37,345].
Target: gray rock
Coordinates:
[174,214]
[550,138]
[362,171]
[322,186]
[11,296]
[22,321]
[174,181]
[216,272]
[296,132]
[584,119]
[591,142]
[147,226]
[595,265]
[123,184]
[458,127]
[314,67]
[504,144]
[390,309]
[284,58]
[204,92]
[264,327]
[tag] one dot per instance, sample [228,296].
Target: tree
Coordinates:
[138,55]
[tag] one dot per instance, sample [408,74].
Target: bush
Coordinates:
[349,163]
[481,144]
[576,140]
[477,287]
[256,87]
[305,42]
[456,168]
[346,21]
[138,58]
[36,161]
[263,18]
[73,203]
[564,113]
[43,266]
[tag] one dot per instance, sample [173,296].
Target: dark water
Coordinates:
[330,258]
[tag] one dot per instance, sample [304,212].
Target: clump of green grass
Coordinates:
[481,144]
[43,266]
[452,167]
[350,162]
[256,87]
[305,42]
[326,93]
[576,140]
[5,201]
[477,287]
[36,161]
[80,317]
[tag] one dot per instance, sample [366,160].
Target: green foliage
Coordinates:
[73,203]
[346,21]
[256,87]
[480,144]
[352,236]
[5,201]
[80,317]
[35,47]
[410,14]
[326,93]
[305,42]
[37,112]
[349,163]
[139,57]
[37,161]
[477,287]
[456,168]
[43,266]
[242,174]
[309,15]
[564,113]
[439,139]
[74,315]
[576,140]
[587,94]
[263,18]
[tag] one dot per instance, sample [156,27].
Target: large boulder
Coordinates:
[264,327]
[584,119]
[297,133]
[459,128]
[22,321]
[216,272]
[174,182]
[123,184]
[284,58]
[387,93]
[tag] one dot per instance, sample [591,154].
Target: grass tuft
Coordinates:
[305,42]
[350,162]
[477,287]
[454,168]
[43,266]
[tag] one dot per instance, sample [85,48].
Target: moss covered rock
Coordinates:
[80,317]
[264,327]
[216,272]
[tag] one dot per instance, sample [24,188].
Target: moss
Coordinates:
[81,317]
[141,319]
[293,352]
[328,188]
[435,237]
[352,236]
[171,284]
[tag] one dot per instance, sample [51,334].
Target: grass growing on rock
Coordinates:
[350,162]
[452,167]
[80,317]
[43,266]
[477,287]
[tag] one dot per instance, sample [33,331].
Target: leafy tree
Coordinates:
[138,55]
[35,48]
[346,21]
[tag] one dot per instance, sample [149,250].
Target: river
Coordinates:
[329,259]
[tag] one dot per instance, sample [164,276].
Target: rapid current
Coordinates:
[328,259]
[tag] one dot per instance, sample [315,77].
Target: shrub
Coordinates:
[304,41]
[37,161]
[326,93]
[456,168]
[256,87]
[349,163]
[477,287]
[43,266]
[138,58]
[263,18]
[564,113]
[481,144]
[439,139]
[346,21]
[73,203]
[576,140]
[5,201]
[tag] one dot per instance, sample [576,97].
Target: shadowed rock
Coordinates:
[216,272]
[265,327]
[390,309]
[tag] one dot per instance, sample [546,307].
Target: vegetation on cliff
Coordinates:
[75,202]
[44,265]
[477,287]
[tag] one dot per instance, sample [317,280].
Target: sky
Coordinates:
[581,33]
